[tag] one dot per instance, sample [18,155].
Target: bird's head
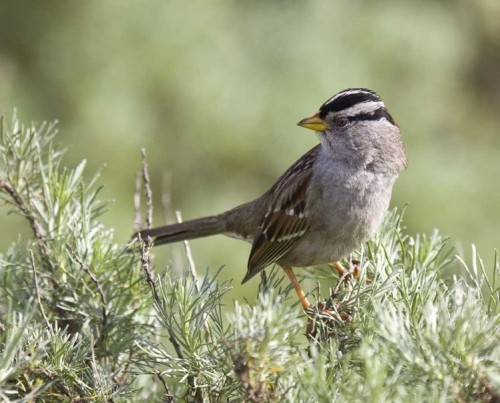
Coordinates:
[355,125]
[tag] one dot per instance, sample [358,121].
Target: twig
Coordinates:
[145,246]
[318,288]
[37,229]
[264,284]
[168,397]
[147,190]
[37,290]
[137,204]
[166,197]
[194,274]
[192,267]
[93,361]
[99,290]
[491,394]
[341,281]
[166,203]
[122,379]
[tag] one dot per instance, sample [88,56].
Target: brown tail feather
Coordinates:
[191,229]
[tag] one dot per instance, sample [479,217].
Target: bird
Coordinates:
[328,203]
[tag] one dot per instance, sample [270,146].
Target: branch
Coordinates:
[194,274]
[18,201]
[166,198]
[145,246]
[168,397]
[147,190]
[137,204]
[189,255]
[100,291]
[37,290]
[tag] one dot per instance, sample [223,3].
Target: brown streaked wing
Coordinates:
[286,220]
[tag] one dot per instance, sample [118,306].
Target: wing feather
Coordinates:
[286,219]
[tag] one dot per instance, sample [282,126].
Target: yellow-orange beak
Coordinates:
[314,122]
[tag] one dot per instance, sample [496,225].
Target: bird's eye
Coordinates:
[341,121]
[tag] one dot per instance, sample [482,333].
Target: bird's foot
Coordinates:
[322,319]
[353,271]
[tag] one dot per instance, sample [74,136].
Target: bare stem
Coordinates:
[104,314]
[192,267]
[168,397]
[18,201]
[37,289]
[166,198]
[137,204]
[145,246]
[147,190]
[194,274]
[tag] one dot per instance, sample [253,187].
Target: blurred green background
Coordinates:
[213,91]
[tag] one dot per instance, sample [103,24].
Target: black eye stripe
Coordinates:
[380,113]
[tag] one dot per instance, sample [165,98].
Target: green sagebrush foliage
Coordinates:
[81,291]
[85,319]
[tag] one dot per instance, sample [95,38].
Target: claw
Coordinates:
[323,313]
[354,271]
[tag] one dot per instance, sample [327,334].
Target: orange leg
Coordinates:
[354,271]
[302,296]
[343,272]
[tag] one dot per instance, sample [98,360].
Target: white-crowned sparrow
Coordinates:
[327,203]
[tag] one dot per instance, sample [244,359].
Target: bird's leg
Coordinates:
[310,329]
[302,296]
[325,314]
[354,269]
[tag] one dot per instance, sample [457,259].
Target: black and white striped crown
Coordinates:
[357,104]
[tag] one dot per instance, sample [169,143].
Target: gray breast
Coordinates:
[347,207]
